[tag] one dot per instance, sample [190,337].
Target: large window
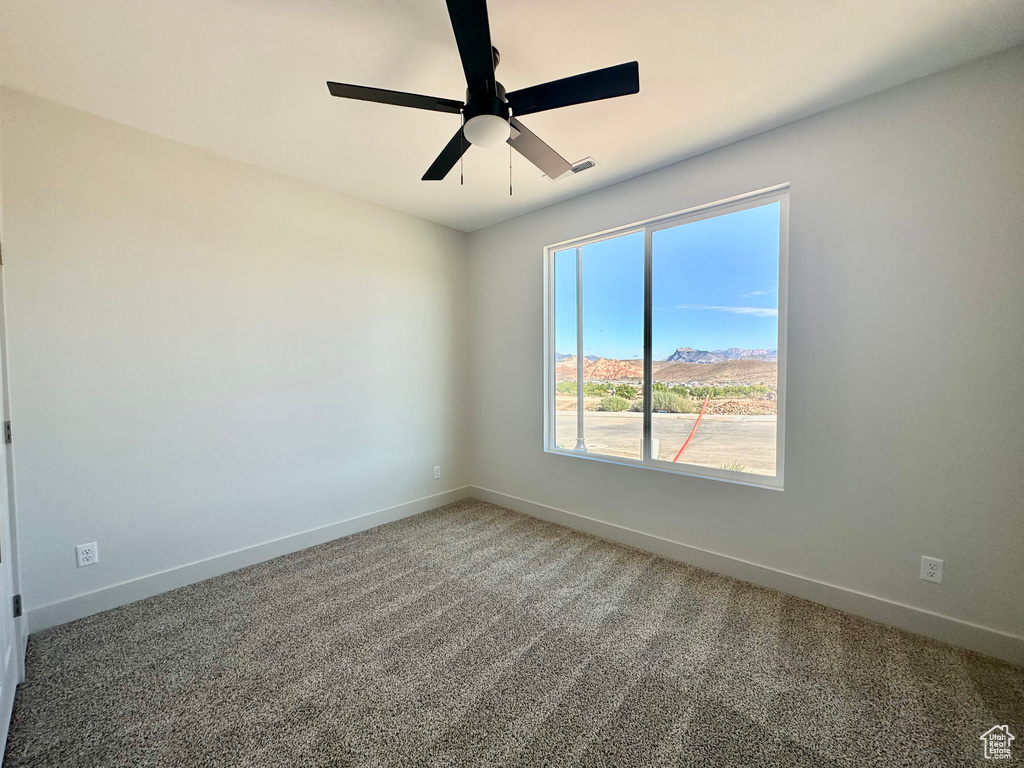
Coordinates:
[665,342]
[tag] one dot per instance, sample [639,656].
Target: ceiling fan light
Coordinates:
[487,130]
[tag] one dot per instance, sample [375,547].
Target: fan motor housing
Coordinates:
[485,104]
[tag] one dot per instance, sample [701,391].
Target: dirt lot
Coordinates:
[568,403]
[720,439]
[744,407]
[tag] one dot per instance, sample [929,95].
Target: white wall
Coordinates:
[200,351]
[205,356]
[906,350]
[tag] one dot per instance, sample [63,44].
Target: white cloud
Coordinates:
[752,311]
[759,293]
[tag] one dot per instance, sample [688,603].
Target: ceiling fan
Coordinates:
[490,115]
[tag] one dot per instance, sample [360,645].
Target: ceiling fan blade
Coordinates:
[473,36]
[620,80]
[529,145]
[398,98]
[449,156]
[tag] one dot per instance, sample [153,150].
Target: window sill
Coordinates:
[687,470]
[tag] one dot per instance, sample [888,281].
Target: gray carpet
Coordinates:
[471,636]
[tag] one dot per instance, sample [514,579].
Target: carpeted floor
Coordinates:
[473,636]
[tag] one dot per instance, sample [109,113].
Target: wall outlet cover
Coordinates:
[87,554]
[931,569]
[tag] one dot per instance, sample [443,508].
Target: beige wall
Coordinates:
[906,350]
[205,356]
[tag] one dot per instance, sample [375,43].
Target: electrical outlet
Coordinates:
[437,472]
[931,569]
[87,554]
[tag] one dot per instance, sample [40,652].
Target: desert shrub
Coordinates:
[592,389]
[733,466]
[613,404]
[668,402]
[752,390]
[734,391]
[659,386]
[625,391]
[701,392]
[680,390]
[566,388]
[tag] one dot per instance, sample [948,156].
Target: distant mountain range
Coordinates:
[691,355]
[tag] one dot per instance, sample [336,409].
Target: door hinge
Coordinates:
[8,437]
[17,606]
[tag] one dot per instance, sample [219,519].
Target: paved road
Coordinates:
[747,440]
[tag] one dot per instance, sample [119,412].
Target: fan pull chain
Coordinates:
[510,170]
[462,143]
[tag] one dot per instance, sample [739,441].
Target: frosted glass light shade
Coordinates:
[487,130]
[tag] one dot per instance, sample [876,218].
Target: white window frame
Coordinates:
[776,194]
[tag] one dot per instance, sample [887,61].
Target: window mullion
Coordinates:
[581,443]
[648,342]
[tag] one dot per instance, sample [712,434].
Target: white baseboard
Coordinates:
[63,611]
[21,635]
[991,642]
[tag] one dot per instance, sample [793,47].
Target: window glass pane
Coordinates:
[715,341]
[613,346]
[565,349]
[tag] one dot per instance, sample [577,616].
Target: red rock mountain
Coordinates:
[601,369]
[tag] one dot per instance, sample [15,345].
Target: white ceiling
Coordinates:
[246,79]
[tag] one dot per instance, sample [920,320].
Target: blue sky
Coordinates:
[715,287]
